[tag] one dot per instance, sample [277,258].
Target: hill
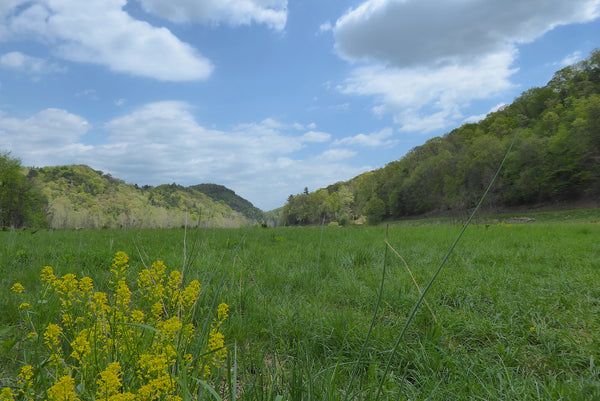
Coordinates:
[81,197]
[236,202]
[555,161]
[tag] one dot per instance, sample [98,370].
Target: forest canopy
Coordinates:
[555,159]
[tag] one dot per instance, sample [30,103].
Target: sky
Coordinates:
[266,97]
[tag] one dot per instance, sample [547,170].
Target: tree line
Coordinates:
[555,159]
[77,196]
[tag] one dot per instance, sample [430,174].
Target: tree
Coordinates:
[375,210]
[20,204]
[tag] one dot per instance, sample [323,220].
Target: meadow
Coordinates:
[315,312]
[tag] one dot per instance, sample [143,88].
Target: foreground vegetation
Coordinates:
[514,315]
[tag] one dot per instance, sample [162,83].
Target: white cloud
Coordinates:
[425,61]
[273,13]
[50,136]
[571,59]
[477,118]
[374,139]
[101,32]
[408,33]
[31,65]
[426,99]
[337,154]
[325,27]
[315,136]
[163,143]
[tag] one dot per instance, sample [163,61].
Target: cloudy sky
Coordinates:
[266,96]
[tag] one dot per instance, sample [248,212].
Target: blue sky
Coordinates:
[266,96]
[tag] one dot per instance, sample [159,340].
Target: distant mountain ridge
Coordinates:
[81,197]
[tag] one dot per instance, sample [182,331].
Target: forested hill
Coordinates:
[80,197]
[236,202]
[556,159]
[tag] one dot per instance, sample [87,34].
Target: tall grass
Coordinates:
[517,306]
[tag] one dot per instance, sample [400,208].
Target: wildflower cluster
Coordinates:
[120,345]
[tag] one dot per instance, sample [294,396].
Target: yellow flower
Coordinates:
[48,275]
[123,296]
[190,294]
[86,285]
[17,287]
[157,309]
[137,316]
[53,331]
[216,344]
[532,329]
[110,381]
[6,394]
[63,390]
[81,345]
[25,375]
[222,311]
[25,306]
[170,328]
[120,262]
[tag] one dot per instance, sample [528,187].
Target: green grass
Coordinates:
[302,300]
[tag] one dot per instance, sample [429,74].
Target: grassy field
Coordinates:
[515,313]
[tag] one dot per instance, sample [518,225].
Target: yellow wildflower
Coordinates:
[123,296]
[174,280]
[137,316]
[110,381]
[157,309]
[17,287]
[100,304]
[53,331]
[216,344]
[169,328]
[119,263]
[25,375]
[190,294]
[48,275]
[86,284]
[532,329]
[222,311]
[25,306]
[6,394]
[63,390]
[81,345]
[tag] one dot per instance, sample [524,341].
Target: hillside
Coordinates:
[236,202]
[80,197]
[555,161]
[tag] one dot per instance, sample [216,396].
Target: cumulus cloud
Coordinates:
[374,139]
[337,154]
[408,33]
[426,60]
[315,136]
[162,143]
[273,13]
[101,32]
[28,64]
[50,136]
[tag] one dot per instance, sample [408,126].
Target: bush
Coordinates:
[375,211]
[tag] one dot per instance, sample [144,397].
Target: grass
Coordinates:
[518,305]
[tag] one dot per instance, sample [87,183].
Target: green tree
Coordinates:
[375,210]
[20,203]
